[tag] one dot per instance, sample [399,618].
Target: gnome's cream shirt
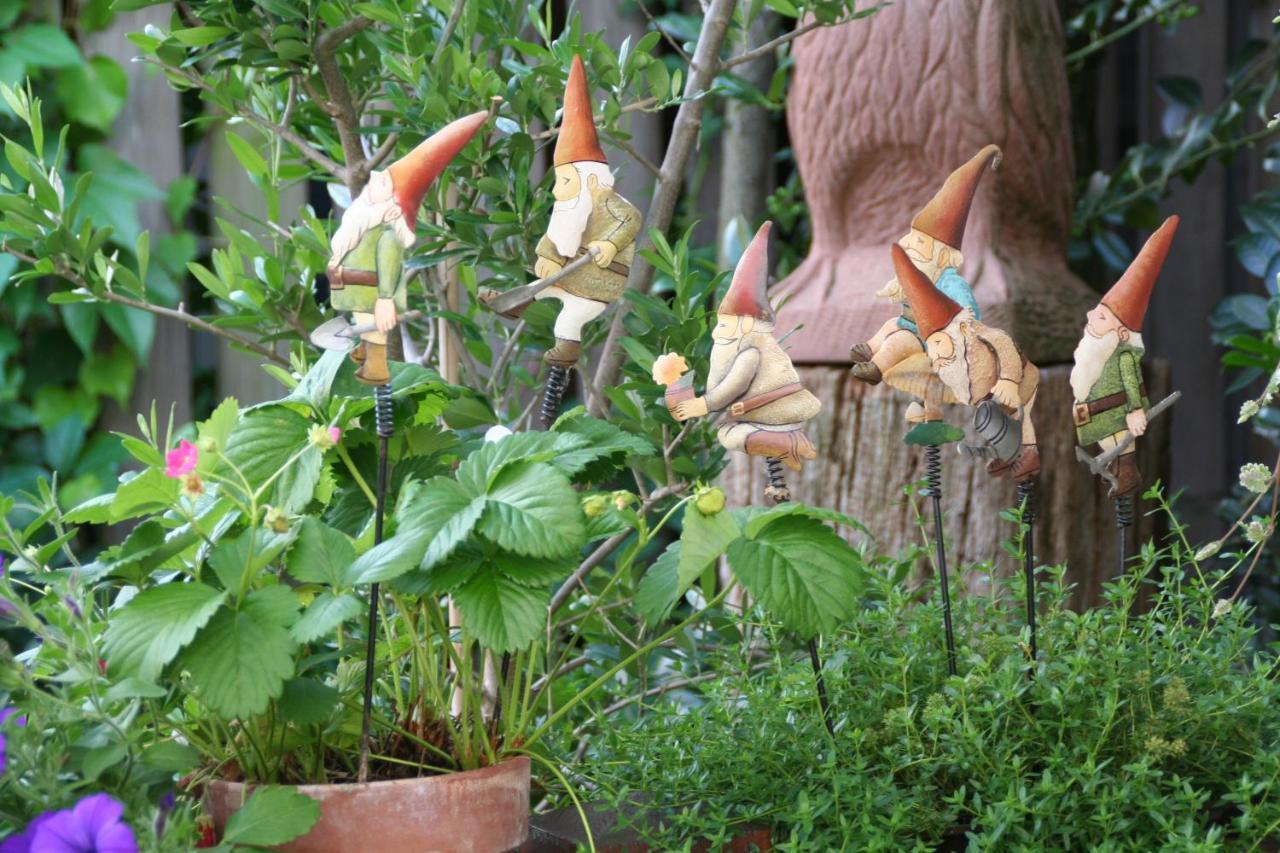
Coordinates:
[756,364]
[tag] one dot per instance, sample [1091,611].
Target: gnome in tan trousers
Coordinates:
[1106,380]
[751,376]
[980,365]
[896,353]
[367,252]
[587,215]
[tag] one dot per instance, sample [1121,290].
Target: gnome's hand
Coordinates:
[384,315]
[695,408]
[544,267]
[606,254]
[1136,421]
[1006,393]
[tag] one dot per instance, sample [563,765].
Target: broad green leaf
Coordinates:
[504,615]
[390,559]
[241,659]
[147,492]
[760,520]
[801,572]
[171,757]
[154,626]
[602,439]
[478,471]
[320,554]
[43,46]
[933,433]
[316,385]
[272,816]
[217,429]
[264,441]
[324,614]
[659,589]
[703,540]
[230,557]
[297,484]
[81,322]
[306,701]
[532,572]
[93,92]
[93,511]
[135,328]
[443,513]
[109,374]
[63,443]
[532,510]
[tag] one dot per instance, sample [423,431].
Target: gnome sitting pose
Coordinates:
[366,262]
[587,215]
[1106,380]
[980,365]
[751,376]
[896,352]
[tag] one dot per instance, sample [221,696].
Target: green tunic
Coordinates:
[612,218]
[380,251]
[1122,374]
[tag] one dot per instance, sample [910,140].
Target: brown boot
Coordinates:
[374,370]
[866,371]
[563,354]
[860,353]
[1026,464]
[357,353]
[486,295]
[1125,469]
[792,447]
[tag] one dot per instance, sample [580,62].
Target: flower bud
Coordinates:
[207,444]
[709,501]
[622,499]
[594,505]
[276,520]
[323,437]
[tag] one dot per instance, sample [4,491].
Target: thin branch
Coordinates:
[774,44]
[637,156]
[384,150]
[346,119]
[675,45]
[642,104]
[454,17]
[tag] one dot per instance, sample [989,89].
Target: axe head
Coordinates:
[335,334]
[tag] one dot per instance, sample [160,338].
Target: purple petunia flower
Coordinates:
[5,714]
[21,843]
[92,825]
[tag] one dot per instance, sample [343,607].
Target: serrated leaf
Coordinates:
[241,659]
[230,558]
[478,471]
[530,572]
[155,625]
[801,572]
[443,513]
[503,615]
[306,701]
[316,386]
[703,540]
[324,614]
[264,440]
[272,816]
[659,589]
[147,492]
[218,427]
[297,484]
[760,520]
[320,554]
[389,559]
[532,510]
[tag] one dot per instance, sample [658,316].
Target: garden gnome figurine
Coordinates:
[1110,399]
[982,367]
[366,262]
[587,215]
[896,352]
[751,376]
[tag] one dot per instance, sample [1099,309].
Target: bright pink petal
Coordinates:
[335,434]
[181,460]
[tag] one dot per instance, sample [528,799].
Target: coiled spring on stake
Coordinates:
[382,410]
[932,471]
[1124,511]
[1027,500]
[557,382]
[774,467]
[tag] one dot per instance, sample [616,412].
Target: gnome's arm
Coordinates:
[547,249]
[390,260]
[1010,363]
[735,382]
[1131,380]
[627,220]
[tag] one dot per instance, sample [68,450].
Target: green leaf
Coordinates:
[703,540]
[390,559]
[264,440]
[478,471]
[442,512]
[171,757]
[306,701]
[320,554]
[761,519]
[93,511]
[63,443]
[272,816]
[324,614]
[532,510]
[933,433]
[147,492]
[659,589]
[297,483]
[200,36]
[43,46]
[93,93]
[601,439]
[802,572]
[109,375]
[155,625]
[222,421]
[504,615]
[531,572]
[249,158]
[81,323]
[241,659]
[317,384]
[230,557]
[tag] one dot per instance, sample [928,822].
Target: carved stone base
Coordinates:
[863,466]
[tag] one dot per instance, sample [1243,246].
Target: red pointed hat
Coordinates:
[413,173]
[577,140]
[747,295]
[932,308]
[1129,296]
[944,217]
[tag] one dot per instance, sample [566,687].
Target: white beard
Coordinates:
[376,205]
[569,221]
[1090,358]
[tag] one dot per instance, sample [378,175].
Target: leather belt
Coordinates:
[741,407]
[614,266]
[1084,412]
[340,277]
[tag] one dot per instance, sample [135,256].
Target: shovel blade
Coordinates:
[334,334]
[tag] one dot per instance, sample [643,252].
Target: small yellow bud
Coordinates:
[276,520]
[594,505]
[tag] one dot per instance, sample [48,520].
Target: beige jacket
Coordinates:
[613,218]
[760,366]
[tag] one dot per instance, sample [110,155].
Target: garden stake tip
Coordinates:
[933,488]
[1027,500]
[382,415]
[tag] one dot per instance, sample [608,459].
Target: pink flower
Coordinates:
[181,460]
[335,434]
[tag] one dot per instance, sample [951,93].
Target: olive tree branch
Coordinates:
[346,118]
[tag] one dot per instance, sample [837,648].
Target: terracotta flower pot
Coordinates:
[479,811]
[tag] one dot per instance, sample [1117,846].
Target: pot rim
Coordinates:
[517,764]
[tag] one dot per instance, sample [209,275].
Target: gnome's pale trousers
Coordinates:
[575,312]
[374,337]
[733,436]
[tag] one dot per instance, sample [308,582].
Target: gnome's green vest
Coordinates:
[1122,379]
[379,251]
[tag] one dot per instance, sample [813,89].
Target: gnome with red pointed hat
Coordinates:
[366,261]
[751,376]
[1106,380]
[933,245]
[587,215]
[980,365]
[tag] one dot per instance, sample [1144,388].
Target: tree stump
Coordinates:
[863,467]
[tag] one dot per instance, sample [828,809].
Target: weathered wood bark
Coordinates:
[147,133]
[863,467]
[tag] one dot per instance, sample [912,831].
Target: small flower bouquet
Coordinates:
[672,371]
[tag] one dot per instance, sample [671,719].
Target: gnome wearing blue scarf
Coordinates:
[933,245]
